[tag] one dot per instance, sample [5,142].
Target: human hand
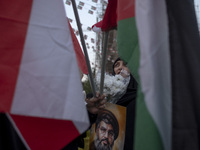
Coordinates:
[94,104]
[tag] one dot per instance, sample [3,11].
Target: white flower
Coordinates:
[114,86]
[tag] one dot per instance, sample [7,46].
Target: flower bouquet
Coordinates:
[114,86]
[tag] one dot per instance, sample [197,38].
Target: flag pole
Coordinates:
[90,76]
[103,63]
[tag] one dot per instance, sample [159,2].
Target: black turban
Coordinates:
[111,119]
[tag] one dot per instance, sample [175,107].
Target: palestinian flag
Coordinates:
[168,114]
[127,39]
[40,91]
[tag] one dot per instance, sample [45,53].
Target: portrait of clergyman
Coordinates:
[108,132]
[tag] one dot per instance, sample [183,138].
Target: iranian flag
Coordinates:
[40,91]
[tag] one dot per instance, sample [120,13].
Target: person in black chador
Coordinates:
[128,100]
[96,103]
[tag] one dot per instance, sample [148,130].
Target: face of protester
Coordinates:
[121,68]
[104,136]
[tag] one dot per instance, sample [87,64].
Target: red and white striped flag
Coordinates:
[40,88]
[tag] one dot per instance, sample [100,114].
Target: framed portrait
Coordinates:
[108,132]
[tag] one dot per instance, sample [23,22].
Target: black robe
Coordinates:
[9,139]
[129,101]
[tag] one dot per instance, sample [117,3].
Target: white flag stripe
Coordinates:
[151,19]
[49,78]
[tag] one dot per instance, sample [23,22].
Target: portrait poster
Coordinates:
[117,114]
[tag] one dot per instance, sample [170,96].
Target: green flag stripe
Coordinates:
[155,77]
[147,136]
[128,44]
[128,49]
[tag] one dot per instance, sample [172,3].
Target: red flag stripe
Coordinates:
[58,132]
[79,54]
[125,11]
[110,17]
[11,49]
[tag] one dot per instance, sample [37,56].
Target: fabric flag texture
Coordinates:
[127,39]
[168,115]
[185,72]
[41,89]
[153,114]
[79,53]
[128,48]
[110,18]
